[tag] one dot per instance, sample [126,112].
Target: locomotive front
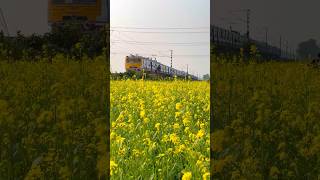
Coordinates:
[133,63]
[89,11]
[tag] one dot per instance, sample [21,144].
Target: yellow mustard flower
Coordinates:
[178,106]
[157,126]
[187,176]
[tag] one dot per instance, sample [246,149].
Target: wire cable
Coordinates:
[165,32]
[159,28]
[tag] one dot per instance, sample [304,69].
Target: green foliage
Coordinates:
[71,39]
[254,54]
[308,49]
[206,77]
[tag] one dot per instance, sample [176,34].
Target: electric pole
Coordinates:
[171,57]
[248,24]
[171,63]
[266,36]
[187,70]
[280,46]
[287,46]
[154,56]
[3,23]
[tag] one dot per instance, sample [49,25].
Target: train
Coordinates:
[231,41]
[140,64]
[92,12]
[226,37]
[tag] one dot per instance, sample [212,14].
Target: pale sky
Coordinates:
[158,16]
[27,16]
[31,17]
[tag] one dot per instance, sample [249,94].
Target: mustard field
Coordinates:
[266,121]
[53,124]
[160,129]
[53,120]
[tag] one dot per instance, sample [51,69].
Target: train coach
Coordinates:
[91,12]
[143,64]
[228,38]
[230,41]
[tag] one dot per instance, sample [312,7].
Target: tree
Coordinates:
[308,49]
[206,77]
[71,39]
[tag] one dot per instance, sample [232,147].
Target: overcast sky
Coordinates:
[294,20]
[158,14]
[29,16]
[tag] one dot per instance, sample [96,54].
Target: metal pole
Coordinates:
[287,43]
[248,24]
[171,58]
[266,36]
[171,63]
[187,70]
[280,46]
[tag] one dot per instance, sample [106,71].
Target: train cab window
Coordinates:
[83,1]
[73,1]
[67,18]
[131,61]
[78,18]
[59,1]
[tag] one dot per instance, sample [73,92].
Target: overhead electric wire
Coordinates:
[164,32]
[164,43]
[137,47]
[129,44]
[231,19]
[179,55]
[159,28]
[145,44]
[121,40]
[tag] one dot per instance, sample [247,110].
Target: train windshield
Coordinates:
[74,1]
[133,60]
[83,1]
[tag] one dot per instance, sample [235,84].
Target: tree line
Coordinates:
[71,39]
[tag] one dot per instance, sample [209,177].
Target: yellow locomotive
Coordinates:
[91,11]
[142,64]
